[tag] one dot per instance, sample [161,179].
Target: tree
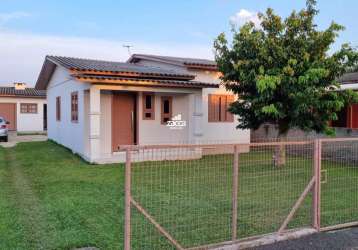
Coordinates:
[284,74]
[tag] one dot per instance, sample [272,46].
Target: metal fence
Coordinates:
[200,196]
[339,196]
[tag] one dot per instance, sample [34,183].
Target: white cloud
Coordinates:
[22,55]
[244,16]
[6,17]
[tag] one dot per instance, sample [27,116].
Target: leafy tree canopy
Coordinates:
[283,72]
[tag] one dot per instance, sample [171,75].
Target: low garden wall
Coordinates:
[342,152]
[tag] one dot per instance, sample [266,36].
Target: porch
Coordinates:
[129,115]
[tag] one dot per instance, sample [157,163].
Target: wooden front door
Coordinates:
[8,111]
[123,119]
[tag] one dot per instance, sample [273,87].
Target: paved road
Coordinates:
[346,239]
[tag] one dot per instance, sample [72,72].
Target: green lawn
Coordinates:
[51,199]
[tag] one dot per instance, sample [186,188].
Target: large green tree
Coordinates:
[284,72]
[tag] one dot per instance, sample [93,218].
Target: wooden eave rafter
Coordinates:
[145,83]
[201,66]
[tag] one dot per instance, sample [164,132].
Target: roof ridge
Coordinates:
[161,56]
[84,58]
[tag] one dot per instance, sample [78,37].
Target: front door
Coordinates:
[123,119]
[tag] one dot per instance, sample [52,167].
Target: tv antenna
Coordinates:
[128,48]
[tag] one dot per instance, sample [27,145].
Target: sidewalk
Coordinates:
[14,139]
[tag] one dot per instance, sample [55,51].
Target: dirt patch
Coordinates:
[28,204]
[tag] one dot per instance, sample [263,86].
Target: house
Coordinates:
[348,117]
[25,108]
[96,106]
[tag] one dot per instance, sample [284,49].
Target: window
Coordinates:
[58,108]
[74,107]
[148,106]
[28,108]
[218,108]
[166,109]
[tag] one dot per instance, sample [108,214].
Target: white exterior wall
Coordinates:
[66,132]
[153,132]
[27,122]
[218,131]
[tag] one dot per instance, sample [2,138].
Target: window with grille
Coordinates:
[218,108]
[28,108]
[148,106]
[166,114]
[74,107]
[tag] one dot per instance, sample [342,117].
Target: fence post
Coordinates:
[127,212]
[316,192]
[235,187]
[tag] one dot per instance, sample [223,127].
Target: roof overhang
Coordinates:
[143,82]
[45,75]
[347,86]
[201,66]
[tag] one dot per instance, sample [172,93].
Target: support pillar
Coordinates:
[94,123]
[196,117]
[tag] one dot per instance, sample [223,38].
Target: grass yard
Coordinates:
[51,199]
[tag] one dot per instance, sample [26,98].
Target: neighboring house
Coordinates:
[96,106]
[348,117]
[25,108]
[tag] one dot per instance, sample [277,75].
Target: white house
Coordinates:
[96,106]
[25,108]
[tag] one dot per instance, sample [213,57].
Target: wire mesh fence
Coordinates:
[192,196]
[339,198]
[181,196]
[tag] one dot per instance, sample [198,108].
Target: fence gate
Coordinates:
[339,183]
[200,196]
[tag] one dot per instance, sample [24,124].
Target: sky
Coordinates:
[30,30]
